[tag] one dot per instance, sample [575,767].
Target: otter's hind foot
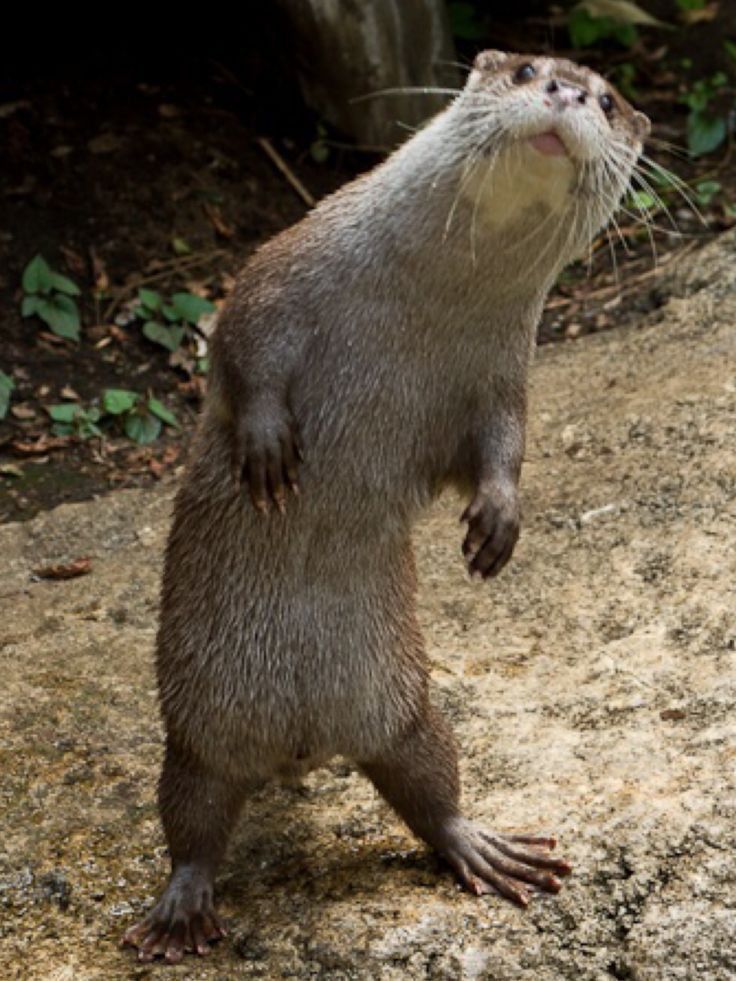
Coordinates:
[486,861]
[183,920]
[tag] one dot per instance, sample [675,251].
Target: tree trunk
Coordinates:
[348,49]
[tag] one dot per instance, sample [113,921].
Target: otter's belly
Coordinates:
[286,637]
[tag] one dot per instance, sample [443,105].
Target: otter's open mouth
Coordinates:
[549,144]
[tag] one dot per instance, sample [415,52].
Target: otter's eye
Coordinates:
[524,73]
[606,103]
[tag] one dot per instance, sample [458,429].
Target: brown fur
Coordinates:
[391,344]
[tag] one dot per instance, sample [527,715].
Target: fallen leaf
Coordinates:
[68,392]
[40,446]
[8,108]
[51,338]
[23,411]
[99,271]
[105,143]
[10,470]
[73,260]
[168,111]
[218,222]
[182,360]
[68,570]
[62,151]
[25,187]
[194,388]
[623,11]
[164,462]
[699,16]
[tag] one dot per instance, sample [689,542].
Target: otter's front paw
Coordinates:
[493,530]
[266,455]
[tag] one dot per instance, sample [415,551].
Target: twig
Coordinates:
[279,162]
[171,266]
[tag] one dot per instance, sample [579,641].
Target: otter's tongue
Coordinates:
[549,144]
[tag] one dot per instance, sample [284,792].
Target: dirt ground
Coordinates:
[592,689]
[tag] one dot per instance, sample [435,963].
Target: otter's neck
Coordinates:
[504,223]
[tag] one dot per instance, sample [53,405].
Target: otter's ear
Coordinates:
[642,126]
[489,61]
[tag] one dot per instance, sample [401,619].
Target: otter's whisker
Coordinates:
[465,177]
[614,260]
[479,194]
[406,90]
[677,183]
[674,149]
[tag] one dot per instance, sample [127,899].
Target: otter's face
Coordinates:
[558,107]
[557,128]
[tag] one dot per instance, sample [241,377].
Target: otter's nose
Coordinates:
[563,94]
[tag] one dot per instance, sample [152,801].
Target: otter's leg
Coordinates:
[198,810]
[419,778]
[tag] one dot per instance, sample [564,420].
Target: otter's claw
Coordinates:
[493,530]
[267,454]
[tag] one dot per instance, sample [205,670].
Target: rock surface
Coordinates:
[592,689]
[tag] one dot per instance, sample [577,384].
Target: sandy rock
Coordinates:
[592,688]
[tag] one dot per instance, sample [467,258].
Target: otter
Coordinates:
[367,357]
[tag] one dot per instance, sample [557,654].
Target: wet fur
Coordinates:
[395,325]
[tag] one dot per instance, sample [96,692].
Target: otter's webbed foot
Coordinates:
[183,920]
[508,864]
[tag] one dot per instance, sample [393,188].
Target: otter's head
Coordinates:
[555,132]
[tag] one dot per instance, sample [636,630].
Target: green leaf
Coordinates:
[730,47]
[319,151]
[642,200]
[37,276]
[86,428]
[625,34]
[64,285]
[118,400]
[164,414]
[29,306]
[61,314]
[583,29]
[202,365]
[180,246]
[6,387]
[66,412]
[706,191]
[143,428]
[150,299]
[190,307]
[170,313]
[168,337]
[704,133]
[691,4]
[62,429]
